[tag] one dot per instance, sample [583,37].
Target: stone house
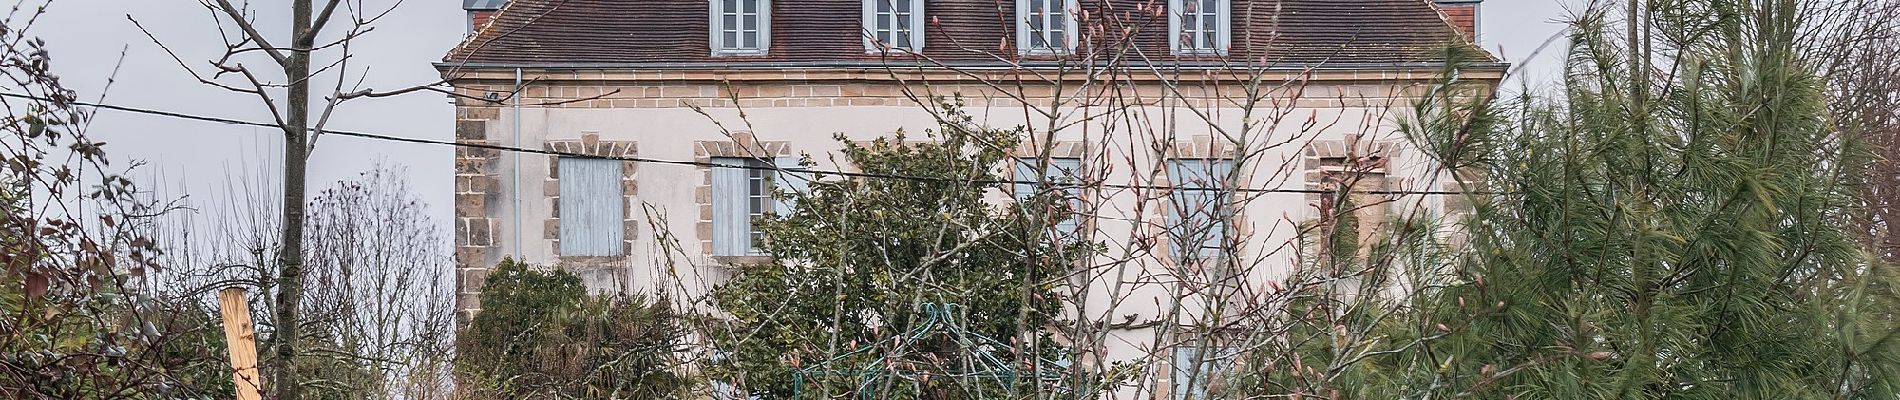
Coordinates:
[667,79]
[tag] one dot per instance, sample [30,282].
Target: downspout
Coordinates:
[517,168]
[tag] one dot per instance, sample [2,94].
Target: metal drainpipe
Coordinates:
[517,168]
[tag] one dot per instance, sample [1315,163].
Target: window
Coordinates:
[592,210]
[1350,213]
[1198,209]
[1062,171]
[1199,372]
[742,192]
[893,24]
[1199,26]
[741,27]
[1045,26]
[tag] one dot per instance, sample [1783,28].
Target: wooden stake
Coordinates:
[242,340]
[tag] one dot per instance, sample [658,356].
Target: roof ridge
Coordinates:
[481,32]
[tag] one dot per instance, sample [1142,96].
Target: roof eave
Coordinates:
[1407,66]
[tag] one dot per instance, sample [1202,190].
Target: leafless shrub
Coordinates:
[381,323]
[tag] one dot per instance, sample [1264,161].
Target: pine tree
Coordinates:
[1676,225]
[1679,222]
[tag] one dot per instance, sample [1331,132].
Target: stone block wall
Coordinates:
[476,187]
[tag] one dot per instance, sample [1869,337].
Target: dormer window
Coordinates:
[741,27]
[1045,26]
[893,25]
[1199,27]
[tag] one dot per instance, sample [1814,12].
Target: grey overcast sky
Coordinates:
[187,157]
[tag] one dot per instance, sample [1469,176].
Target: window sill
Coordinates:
[895,52]
[1046,53]
[740,53]
[592,261]
[1200,53]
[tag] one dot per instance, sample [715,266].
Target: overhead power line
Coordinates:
[376,136]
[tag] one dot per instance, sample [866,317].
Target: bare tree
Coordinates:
[287,97]
[378,311]
[315,49]
[1861,51]
[380,283]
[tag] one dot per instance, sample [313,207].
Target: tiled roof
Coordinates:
[634,33]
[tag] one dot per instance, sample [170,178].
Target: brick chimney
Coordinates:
[479,11]
[1462,14]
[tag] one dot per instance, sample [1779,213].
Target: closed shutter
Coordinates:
[731,216]
[593,212]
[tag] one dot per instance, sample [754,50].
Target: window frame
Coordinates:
[1025,46]
[870,30]
[612,234]
[715,29]
[1182,381]
[1026,171]
[763,179]
[1224,32]
[1223,208]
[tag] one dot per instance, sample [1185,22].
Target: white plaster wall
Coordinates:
[671,133]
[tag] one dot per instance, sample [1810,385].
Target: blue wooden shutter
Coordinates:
[593,212]
[731,218]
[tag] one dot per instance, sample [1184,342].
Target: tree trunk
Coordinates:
[296,152]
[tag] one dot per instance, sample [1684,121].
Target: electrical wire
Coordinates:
[375,136]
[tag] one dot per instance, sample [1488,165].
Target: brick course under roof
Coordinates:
[637,33]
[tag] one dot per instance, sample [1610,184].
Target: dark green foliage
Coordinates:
[853,264]
[541,335]
[1659,236]
[98,347]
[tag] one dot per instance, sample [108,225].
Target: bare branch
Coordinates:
[309,33]
[250,31]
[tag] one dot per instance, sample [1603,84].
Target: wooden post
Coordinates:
[242,341]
